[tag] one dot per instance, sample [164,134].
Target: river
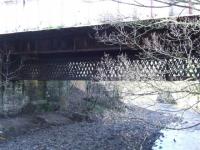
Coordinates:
[184,139]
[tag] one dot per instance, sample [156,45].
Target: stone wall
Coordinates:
[73,96]
[12,99]
[25,96]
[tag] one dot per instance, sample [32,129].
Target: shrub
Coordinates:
[166,97]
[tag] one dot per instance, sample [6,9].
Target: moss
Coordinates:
[45,107]
[11,129]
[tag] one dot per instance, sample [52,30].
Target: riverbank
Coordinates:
[126,130]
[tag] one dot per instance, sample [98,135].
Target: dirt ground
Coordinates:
[132,129]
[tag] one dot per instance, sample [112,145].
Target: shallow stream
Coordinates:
[184,139]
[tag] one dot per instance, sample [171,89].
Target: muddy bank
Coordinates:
[114,131]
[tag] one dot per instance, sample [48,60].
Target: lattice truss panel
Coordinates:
[73,70]
[132,70]
[90,69]
[183,69]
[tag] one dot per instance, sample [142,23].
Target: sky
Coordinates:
[46,14]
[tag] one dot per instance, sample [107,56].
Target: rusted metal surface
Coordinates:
[65,54]
[62,68]
[67,40]
[74,54]
[65,67]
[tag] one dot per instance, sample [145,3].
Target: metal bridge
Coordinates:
[57,54]
[69,54]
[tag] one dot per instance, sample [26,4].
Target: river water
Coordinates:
[184,139]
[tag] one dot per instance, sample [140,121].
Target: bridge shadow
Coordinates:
[72,97]
[87,99]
